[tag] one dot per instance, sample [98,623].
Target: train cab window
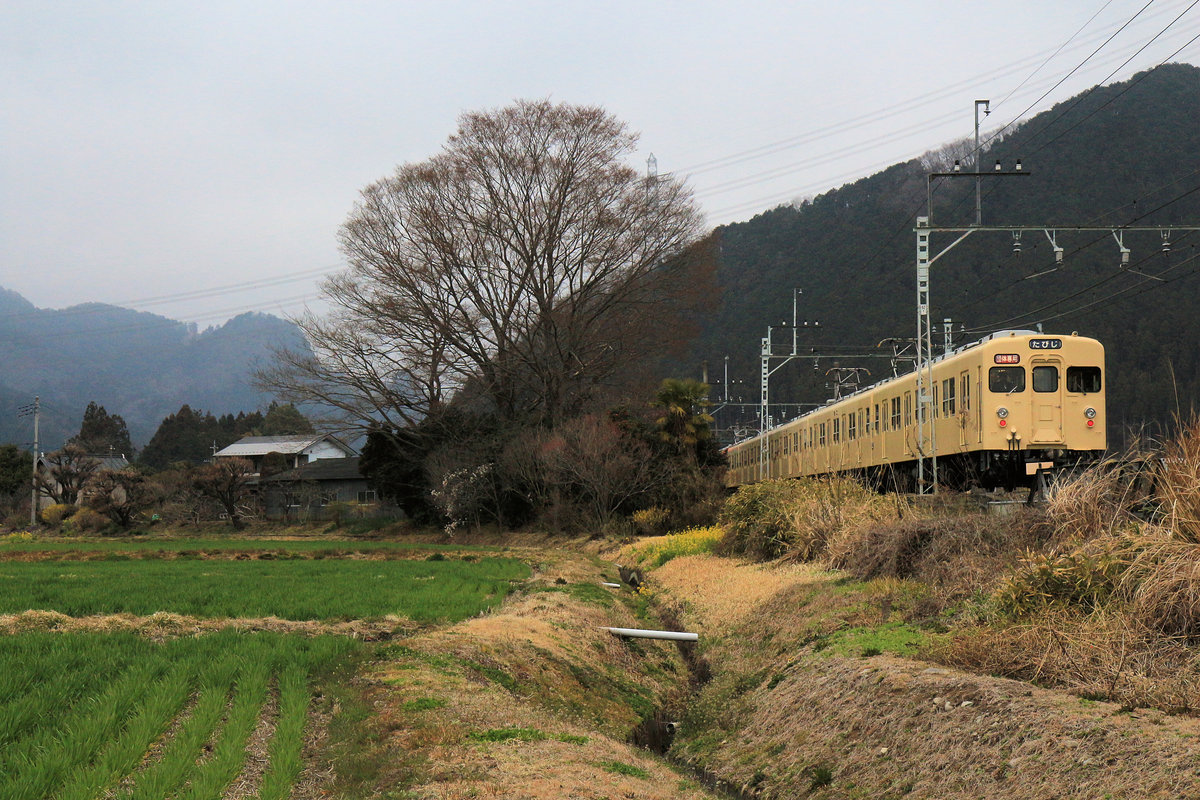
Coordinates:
[1083,379]
[1045,379]
[1006,380]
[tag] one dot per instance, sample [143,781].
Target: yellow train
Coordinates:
[1003,409]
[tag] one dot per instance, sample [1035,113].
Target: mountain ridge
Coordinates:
[138,364]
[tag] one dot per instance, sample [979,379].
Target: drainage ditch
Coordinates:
[657,731]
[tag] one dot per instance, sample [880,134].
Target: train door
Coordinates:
[964,408]
[1046,377]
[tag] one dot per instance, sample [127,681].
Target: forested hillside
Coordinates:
[138,365]
[1123,154]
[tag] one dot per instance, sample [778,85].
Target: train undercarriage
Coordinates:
[984,469]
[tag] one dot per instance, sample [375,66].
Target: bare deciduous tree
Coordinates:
[120,495]
[522,267]
[590,458]
[66,472]
[226,481]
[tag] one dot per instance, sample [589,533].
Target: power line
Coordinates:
[1050,57]
[1075,69]
[195,294]
[886,112]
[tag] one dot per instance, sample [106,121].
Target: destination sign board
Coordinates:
[1045,344]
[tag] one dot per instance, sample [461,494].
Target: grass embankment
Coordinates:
[533,700]
[861,662]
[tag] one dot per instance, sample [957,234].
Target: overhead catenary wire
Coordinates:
[791,193]
[1050,57]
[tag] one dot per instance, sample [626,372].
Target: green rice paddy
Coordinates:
[118,716]
[327,589]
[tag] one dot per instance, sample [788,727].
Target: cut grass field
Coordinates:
[128,718]
[424,591]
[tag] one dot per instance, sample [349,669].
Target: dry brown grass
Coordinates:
[165,625]
[1178,482]
[956,556]
[720,594]
[1095,502]
[1103,655]
[797,517]
[1162,585]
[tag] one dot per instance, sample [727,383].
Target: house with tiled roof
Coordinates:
[298,450]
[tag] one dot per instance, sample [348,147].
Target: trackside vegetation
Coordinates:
[423,591]
[130,718]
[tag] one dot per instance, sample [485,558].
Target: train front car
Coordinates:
[1042,405]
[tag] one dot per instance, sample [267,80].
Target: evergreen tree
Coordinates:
[285,420]
[186,436]
[16,469]
[102,433]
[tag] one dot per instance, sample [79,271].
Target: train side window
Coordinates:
[837,429]
[878,421]
[948,400]
[1006,380]
[1045,379]
[796,442]
[852,428]
[907,409]
[935,400]
[822,434]
[965,380]
[1083,380]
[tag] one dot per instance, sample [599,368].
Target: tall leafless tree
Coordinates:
[523,267]
[227,481]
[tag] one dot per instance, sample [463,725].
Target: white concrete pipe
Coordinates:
[639,633]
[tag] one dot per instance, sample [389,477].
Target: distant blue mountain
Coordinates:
[139,365]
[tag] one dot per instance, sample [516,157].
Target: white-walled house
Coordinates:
[299,450]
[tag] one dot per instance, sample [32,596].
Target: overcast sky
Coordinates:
[196,159]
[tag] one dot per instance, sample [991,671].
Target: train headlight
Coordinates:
[1089,412]
[1002,412]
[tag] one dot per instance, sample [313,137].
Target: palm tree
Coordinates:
[684,422]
